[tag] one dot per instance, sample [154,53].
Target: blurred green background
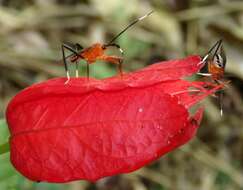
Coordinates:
[31,33]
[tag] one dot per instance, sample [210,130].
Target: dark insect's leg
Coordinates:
[217,81]
[205,74]
[76,63]
[221,103]
[220,97]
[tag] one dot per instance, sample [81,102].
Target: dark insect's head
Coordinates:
[216,55]
[219,60]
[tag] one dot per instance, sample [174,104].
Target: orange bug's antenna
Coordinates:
[129,26]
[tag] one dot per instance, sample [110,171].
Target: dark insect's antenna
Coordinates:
[130,25]
[217,45]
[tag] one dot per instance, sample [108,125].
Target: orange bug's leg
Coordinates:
[116,61]
[76,69]
[115,45]
[65,64]
[78,47]
[113,59]
[120,68]
[65,46]
[87,69]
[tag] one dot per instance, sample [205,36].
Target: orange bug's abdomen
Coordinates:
[217,72]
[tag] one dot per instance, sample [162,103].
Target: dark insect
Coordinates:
[215,62]
[96,52]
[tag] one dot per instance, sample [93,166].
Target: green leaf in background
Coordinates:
[133,47]
[4,148]
[4,135]
[8,175]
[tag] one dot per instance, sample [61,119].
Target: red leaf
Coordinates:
[89,129]
[158,72]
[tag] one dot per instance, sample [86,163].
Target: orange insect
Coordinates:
[95,52]
[216,63]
